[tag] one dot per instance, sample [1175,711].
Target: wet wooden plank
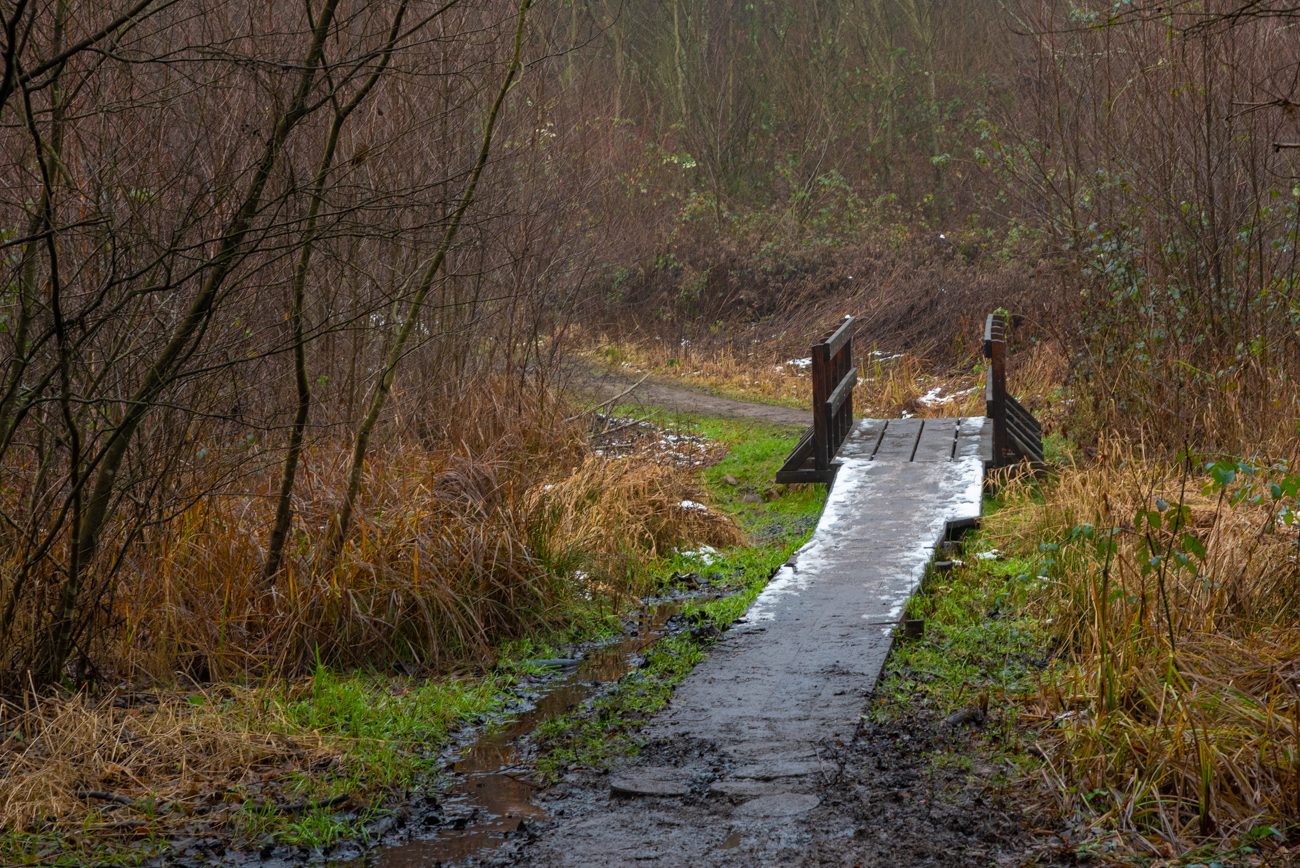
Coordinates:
[863,439]
[975,438]
[899,441]
[936,443]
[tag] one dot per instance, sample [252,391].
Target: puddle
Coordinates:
[489,793]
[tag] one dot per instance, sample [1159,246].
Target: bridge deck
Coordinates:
[816,639]
[791,680]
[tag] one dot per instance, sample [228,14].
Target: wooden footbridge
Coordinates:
[793,676]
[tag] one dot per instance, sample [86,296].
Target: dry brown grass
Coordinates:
[491,530]
[1178,721]
[452,555]
[184,756]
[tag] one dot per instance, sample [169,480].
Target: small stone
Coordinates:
[664,783]
[964,716]
[752,498]
[777,805]
[730,480]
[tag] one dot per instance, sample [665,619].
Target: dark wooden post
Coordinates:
[845,414]
[995,393]
[822,383]
[833,377]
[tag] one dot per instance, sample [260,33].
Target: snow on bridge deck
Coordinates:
[815,641]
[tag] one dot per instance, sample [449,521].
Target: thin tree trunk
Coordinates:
[284,504]
[159,373]
[343,520]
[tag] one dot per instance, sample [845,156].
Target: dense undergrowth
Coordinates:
[1172,591]
[1126,633]
[113,774]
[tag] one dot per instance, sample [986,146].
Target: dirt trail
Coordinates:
[602,386]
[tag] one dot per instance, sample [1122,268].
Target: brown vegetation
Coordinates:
[1174,597]
[287,295]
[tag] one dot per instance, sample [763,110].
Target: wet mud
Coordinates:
[488,799]
[914,792]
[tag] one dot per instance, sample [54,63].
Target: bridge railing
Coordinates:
[833,379]
[1017,435]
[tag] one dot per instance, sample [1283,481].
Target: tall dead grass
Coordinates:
[1174,593]
[182,757]
[497,526]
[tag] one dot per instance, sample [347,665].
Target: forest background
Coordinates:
[292,294]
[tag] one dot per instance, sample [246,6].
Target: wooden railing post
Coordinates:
[995,393]
[822,384]
[833,378]
[1016,433]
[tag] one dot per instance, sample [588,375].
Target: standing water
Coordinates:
[489,798]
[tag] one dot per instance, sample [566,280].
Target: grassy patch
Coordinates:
[755,451]
[310,762]
[984,643]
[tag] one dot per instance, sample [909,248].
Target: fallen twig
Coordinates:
[105,797]
[625,392]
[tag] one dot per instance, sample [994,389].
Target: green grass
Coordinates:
[755,451]
[981,638]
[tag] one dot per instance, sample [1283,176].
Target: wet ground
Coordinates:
[488,800]
[914,792]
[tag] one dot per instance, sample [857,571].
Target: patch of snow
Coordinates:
[933,396]
[990,555]
[704,554]
[690,504]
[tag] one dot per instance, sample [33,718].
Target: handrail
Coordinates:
[833,378]
[842,392]
[1017,436]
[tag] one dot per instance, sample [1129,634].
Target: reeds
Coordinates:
[1173,592]
[457,545]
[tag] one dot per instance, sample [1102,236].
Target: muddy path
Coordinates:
[674,397]
[877,798]
[747,766]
